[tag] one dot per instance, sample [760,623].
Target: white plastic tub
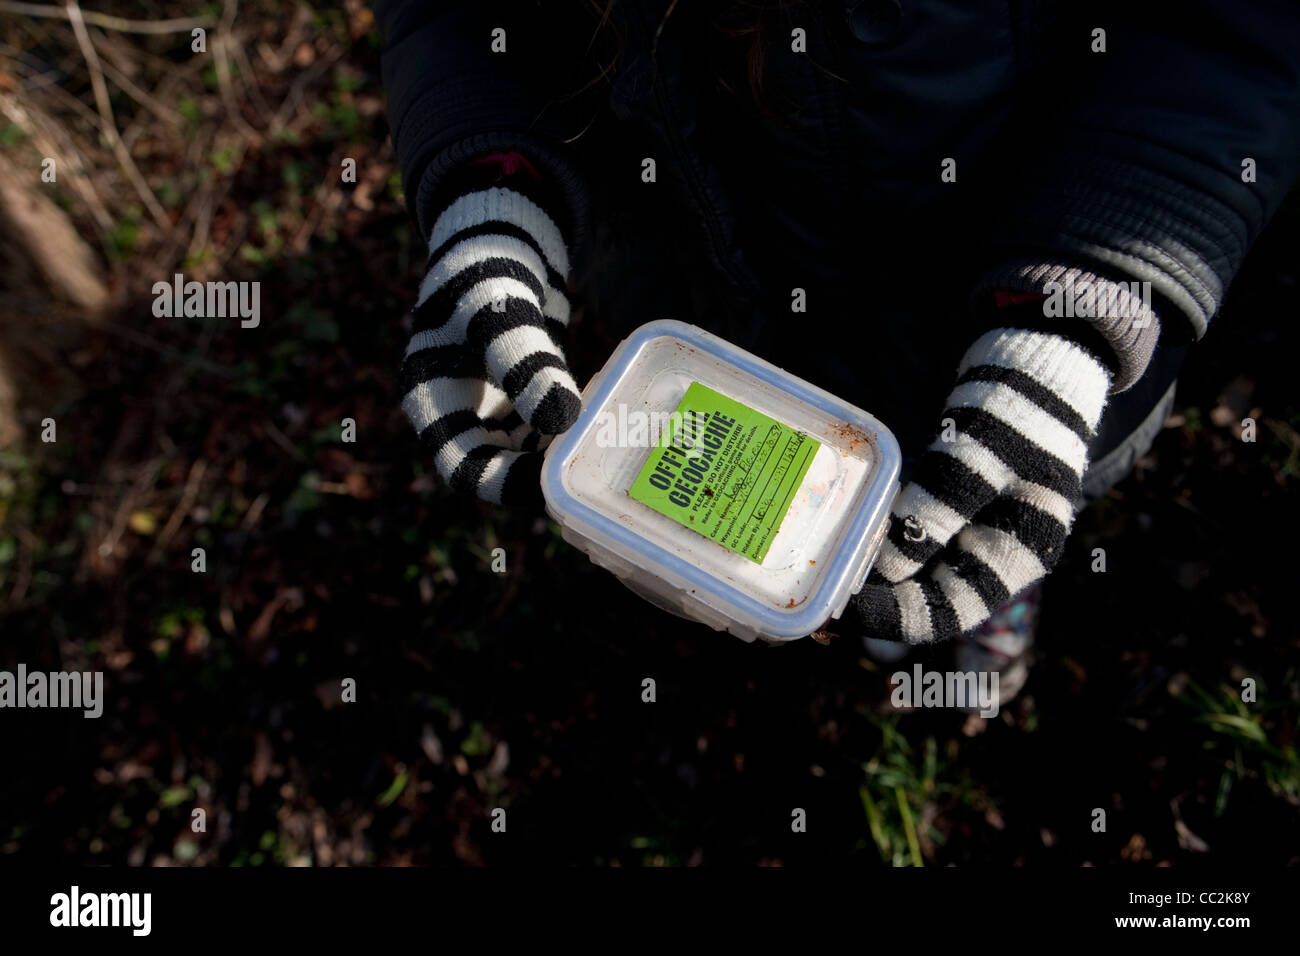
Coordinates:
[757,508]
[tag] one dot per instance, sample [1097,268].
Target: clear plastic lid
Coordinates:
[721,487]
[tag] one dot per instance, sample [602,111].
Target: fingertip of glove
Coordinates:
[557,410]
[522,487]
[877,611]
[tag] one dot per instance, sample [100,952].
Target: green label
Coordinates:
[725,471]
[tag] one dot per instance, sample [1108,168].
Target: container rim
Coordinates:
[775,622]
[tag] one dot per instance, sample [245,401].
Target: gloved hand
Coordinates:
[484,379]
[993,497]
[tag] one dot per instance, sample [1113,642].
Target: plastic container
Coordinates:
[720,487]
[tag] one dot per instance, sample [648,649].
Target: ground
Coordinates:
[328,560]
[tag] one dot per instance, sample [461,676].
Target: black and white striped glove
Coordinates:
[484,379]
[993,498]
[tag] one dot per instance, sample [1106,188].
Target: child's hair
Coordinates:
[739,30]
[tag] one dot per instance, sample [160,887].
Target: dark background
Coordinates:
[328,560]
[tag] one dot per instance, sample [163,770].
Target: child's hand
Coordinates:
[484,379]
[993,498]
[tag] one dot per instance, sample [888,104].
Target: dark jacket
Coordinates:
[1119,165]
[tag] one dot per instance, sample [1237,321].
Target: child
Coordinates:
[1051,201]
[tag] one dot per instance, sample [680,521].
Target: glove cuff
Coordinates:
[508,208]
[1058,364]
[1126,321]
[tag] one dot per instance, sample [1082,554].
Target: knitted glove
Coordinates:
[484,377]
[993,498]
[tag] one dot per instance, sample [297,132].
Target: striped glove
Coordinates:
[993,498]
[484,377]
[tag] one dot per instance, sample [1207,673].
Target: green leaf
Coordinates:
[12,134]
[909,827]
[477,742]
[394,791]
[1243,726]
[173,796]
[874,823]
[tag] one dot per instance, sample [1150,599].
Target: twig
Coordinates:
[173,75]
[204,205]
[325,203]
[160,110]
[182,508]
[281,439]
[45,78]
[24,577]
[109,127]
[44,136]
[254,513]
[144,477]
[279,60]
[107,21]
[222,57]
[183,357]
[210,205]
[195,220]
[254,91]
[289,104]
[118,75]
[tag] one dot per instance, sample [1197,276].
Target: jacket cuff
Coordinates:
[1125,320]
[557,171]
[1132,222]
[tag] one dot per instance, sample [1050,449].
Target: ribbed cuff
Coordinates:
[1121,312]
[1059,364]
[1131,220]
[570,215]
[503,204]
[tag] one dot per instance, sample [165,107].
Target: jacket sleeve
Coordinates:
[452,97]
[1162,163]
